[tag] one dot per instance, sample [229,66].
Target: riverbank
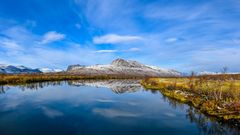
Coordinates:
[217,96]
[15,79]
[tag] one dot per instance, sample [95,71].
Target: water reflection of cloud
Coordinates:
[131,103]
[12,101]
[169,114]
[9,105]
[75,95]
[112,113]
[105,101]
[51,113]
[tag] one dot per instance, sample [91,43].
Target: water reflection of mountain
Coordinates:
[117,86]
[206,125]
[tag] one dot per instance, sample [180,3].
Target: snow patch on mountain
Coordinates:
[9,69]
[121,67]
[50,70]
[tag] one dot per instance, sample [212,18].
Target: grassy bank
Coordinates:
[15,79]
[214,95]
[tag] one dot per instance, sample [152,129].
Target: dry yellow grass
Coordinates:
[29,78]
[214,95]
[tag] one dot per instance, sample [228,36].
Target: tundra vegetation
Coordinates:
[15,79]
[215,95]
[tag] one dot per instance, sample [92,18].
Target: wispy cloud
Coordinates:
[115,51]
[171,40]
[10,45]
[109,14]
[169,34]
[52,36]
[112,113]
[106,51]
[175,12]
[215,59]
[114,38]
[236,41]
[51,113]
[19,46]
[134,49]
[19,33]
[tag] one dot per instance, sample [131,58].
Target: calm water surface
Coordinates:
[99,107]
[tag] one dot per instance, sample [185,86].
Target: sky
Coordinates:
[186,35]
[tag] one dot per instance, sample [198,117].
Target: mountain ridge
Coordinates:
[10,69]
[121,67]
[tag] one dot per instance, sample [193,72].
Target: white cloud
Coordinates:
[236,41]
[106,51]
[51,113]
[10,45]
[52,36]
[19,34]
[171,40]
[19,46]
[134,49]
[114,38]
[111,113]
[179,12]
[98,12]
[114,51]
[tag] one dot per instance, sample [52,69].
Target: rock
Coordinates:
[73,67]
[126,63]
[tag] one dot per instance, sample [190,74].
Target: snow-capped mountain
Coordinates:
[50,70]
[169,71]
[122,68]
[9,69]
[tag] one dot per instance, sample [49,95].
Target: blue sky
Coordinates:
[187,35]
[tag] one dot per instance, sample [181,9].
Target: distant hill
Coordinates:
[124,68]
[9,69]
